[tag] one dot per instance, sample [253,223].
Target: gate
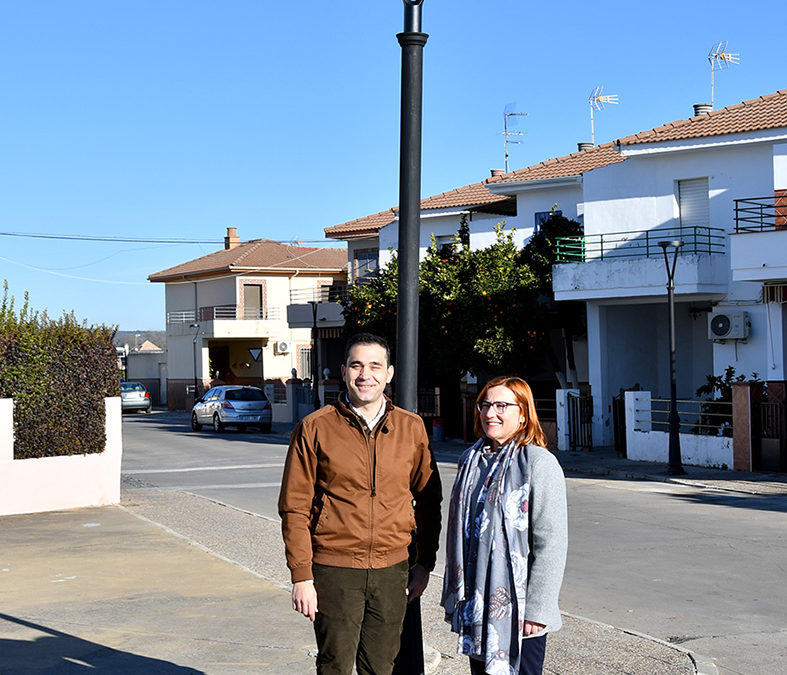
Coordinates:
[619,423]
[773,436]
[580,418]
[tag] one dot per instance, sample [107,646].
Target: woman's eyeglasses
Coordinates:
[500,407]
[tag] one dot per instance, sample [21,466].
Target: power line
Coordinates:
[122,240]
[140,240]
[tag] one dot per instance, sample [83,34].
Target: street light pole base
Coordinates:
[676,471]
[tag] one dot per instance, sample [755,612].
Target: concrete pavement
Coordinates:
[173,582]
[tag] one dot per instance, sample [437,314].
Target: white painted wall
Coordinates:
[653,446]
[54,483]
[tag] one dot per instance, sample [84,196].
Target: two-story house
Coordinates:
[716,182]
[227,313]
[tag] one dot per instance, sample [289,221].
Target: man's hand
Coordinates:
[304,599]
[531,628]
[419,578]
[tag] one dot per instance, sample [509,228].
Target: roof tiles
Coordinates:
[259,255]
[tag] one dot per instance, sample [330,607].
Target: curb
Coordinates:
[703,665]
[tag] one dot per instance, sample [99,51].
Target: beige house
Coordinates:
[227,313]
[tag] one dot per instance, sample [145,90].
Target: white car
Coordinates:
[232,405]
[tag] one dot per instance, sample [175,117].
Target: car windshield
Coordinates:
[244,395]
[131,386]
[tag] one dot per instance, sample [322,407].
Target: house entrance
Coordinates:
[580,418]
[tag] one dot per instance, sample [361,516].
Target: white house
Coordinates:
[717,182]
[227,313]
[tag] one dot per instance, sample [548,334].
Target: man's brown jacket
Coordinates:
[347,493]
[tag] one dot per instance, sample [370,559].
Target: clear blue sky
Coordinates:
[178,118]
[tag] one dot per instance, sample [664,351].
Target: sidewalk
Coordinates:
[175,583]
[605,462]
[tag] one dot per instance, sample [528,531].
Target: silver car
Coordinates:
[232,405]
[134,396]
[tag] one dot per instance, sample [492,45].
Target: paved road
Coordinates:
[698,567]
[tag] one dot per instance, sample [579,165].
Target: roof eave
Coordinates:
[640,148]
[512,187]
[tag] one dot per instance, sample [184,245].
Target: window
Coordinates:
[364,263]
[543,216]
[694,202]
[252,301]
[304,362]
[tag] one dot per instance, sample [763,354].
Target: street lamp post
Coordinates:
[675,467]
[410,660]
[195,326]
[412,41]
[315,392]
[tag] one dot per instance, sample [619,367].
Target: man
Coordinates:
[358,478]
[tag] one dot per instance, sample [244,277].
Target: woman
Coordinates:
[506,546]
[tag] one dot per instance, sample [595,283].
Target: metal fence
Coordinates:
[760,213]
[638,243]
[705,418]
[546,408]
[332,293]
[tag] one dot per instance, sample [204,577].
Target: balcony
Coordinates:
[638,243]
[620,266]
[758,245]
[225,313]
[321,306]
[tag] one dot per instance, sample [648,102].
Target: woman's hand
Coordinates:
[531,627]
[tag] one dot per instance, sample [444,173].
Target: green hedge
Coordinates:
[58,372]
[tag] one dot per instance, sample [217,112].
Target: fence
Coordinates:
[638,243]
[705,430]
[761,213]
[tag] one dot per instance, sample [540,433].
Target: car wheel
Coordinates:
[265,428]
[149,410]
[218,425]
[195,425]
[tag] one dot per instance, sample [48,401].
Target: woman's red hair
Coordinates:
[530,430]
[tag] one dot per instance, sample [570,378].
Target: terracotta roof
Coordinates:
[765,112]
[362,227]
[757,114]
[259,255]
[569,165]
[468,196]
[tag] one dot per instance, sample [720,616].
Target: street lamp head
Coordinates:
[193,325]
[672,243]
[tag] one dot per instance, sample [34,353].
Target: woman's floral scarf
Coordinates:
[486,560]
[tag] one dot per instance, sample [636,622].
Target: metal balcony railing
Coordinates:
[638,243]
[224,313]
[758,214]
[333,293]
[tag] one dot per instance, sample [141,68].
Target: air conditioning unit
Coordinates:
[282,347]
[728,326]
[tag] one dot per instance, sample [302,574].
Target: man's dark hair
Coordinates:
[367,339]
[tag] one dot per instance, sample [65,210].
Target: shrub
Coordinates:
[58,372]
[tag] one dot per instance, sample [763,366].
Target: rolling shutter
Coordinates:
[694,202]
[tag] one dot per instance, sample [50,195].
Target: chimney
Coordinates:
[496,172]
[702,109]
[232,239]
[584,146]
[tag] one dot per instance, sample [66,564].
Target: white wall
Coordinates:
[54,483]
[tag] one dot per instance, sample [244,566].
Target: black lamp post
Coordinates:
[315,392]
[410,660]
[195,326]
[675,467]
[412,41]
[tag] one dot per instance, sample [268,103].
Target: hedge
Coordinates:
[58,372]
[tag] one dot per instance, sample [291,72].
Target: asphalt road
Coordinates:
[696,567]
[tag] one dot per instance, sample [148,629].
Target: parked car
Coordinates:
[134,396]
[232,405]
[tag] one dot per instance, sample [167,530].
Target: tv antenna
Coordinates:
[597,101]
[719,58]
[509,112]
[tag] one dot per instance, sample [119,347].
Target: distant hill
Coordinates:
[137,337]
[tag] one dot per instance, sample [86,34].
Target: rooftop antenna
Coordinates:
[597,101]
[509,112]
[720,58]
